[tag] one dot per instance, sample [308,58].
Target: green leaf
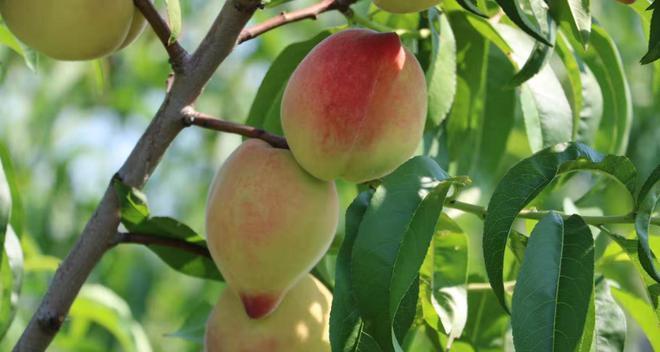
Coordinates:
[499,118]
[547,113]
[605,62]
[487,323]
[345,322]
[135,216]
[263,113]
[526,180]
[444,278]
[574,17]
[195,262]
[541,52]
[465,121]
[573,70]
[5,206]
[647,199]
[174,19]
[8,39]
[587,338]
[100,305]
[133,204]
[654,38]
[17,218]
[392,241]
[631,248]
[610,329]
[194,327]
[642,313]
[555,284]
[11,280]
[591,113]
[472,7]
[515,12]
[441,74]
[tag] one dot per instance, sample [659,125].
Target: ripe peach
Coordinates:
[70,29]
[136,28]
[355,107]
[268,222]
[300,323]
[405,6]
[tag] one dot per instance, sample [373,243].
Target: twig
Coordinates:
[311,12]
[194,118]
[155,240]
[539,214]
[178,55]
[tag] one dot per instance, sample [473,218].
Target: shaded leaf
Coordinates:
[444,276]
[610,329]
[526,180]
[654,37]
[546,111]
[647,199]
[194,260]
[441,73]
[194,327]
[265,112]
[392,241]
[515,12]
[345,321]
[555,284]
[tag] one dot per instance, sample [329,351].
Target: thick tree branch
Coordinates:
[178,55]
[153,240]
[99,233]
[194,118]
[311,12]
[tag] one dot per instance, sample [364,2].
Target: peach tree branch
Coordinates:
[100,231]
[284,18]
[178,55]
[194,118]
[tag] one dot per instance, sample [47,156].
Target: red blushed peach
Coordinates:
[300,323]
[405,6]
[355,107]
[268,222]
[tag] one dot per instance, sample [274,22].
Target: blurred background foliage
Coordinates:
[67,127]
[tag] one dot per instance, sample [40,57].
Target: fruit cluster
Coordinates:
[73,29]
[353,109]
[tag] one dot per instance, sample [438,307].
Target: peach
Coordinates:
[405,6]
[71,29]
[355,107]
[300,324]
[268,222]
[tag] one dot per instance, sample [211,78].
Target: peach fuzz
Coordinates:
[355,107]
[268,223]
[300,324]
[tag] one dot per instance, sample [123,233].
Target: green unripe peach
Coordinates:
[300,323]
[268,222]
[355,107]
[405,6]
[71,29]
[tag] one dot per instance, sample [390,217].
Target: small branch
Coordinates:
[538,215]
[311,12]
[154,240]
[194,118]
[178,55]
[485,286]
